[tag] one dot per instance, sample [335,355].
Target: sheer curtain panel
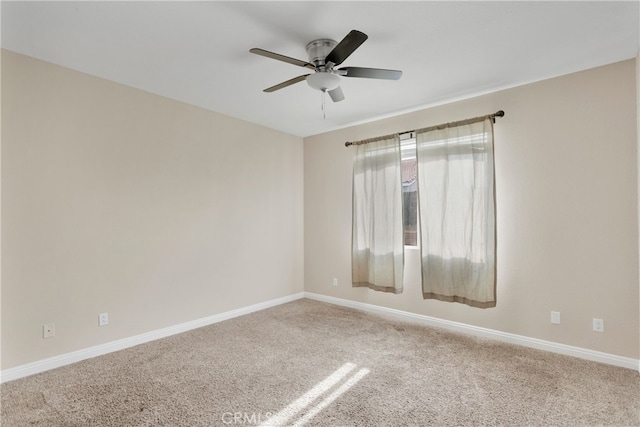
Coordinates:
[457,212]
[377,233]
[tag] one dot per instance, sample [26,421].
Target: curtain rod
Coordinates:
[493,116]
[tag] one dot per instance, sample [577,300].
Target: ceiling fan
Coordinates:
[324,55]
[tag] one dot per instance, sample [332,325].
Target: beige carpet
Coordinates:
[310,363]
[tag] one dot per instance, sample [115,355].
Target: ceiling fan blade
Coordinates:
[346,47]
[371,73]
[336,94]
[282,58]
[287,83]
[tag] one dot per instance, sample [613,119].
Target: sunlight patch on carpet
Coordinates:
[307,399]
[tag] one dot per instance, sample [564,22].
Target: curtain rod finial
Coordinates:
[499,113]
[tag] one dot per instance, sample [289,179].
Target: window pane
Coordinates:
[410,217]
[409,192]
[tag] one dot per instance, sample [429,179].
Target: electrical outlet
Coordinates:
[335,281]
[598,325]
[555,317]
[49,330]
[103,319]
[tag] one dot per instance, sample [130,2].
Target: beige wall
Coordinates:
[566,189]
[115,200]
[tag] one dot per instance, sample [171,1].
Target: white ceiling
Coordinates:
[198,52]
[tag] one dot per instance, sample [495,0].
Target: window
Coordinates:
[409,175]
[445,205]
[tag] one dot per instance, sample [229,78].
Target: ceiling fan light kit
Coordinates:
[323,81]
[324,55]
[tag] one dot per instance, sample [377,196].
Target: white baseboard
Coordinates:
[582,353]
[76,356]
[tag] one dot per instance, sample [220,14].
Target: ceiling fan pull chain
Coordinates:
[324,111]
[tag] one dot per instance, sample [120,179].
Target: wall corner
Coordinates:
[638,166]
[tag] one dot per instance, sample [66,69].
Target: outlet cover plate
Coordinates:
[598,325]
[103,319]
[49,330]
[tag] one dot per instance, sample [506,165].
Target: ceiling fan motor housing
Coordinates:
[318,51]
